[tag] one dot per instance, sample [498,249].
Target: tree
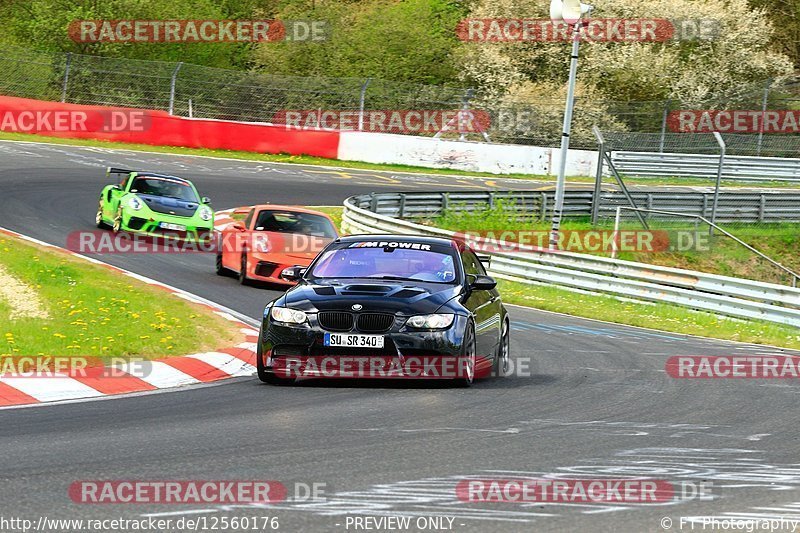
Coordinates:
[698,72]
[408,41]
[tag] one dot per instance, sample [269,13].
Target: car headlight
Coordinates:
[435,321]
[287,316]
[206,214]
[134,203]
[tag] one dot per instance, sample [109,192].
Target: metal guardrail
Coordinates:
[747,207]
[745,168]
[708,292]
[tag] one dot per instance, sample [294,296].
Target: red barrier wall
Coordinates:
[161,129]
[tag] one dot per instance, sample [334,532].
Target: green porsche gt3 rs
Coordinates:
[155,204]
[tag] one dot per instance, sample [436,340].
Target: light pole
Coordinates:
[569,11]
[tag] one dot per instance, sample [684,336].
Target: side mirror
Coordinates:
[293,273]
[205,200]
[483,283]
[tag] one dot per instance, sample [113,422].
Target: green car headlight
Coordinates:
[135,204]
[206,214]
[435,321]
[287,316]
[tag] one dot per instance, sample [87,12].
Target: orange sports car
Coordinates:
[262,240]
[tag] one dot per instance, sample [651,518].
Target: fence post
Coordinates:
[362,99]
[598,179]
[664,126]
[462,135]
[721,143]
[66,77]
[763,114]
[172,87]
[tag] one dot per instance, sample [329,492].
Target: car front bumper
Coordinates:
[299,352]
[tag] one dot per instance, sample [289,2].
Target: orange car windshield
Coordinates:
[295,222]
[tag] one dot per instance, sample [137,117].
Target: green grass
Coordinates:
[99,313]
[357,165]
[657,316]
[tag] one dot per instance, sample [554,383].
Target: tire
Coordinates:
[502,360]
[265,375]
[221,270]
[243,279]
[98,218]
[470,354]
[117,225]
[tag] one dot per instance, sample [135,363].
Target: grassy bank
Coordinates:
[657,316]
[715,254]
[77,308]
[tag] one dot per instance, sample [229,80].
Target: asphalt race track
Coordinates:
[597,402]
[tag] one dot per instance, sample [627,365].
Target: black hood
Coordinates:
[169,206]
[383,296]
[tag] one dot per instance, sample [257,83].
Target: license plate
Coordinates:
[174,227]
[353,341]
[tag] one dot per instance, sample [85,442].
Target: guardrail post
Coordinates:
[67,66]
[543,207]
[402,210]
[763,114]
[362,99]
[615,235]
[172,87]
[762,208]
[373,203]
[664,126]
[445,202]
[598,179]
[721,143]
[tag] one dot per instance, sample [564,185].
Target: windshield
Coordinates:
[295,222]
[386,263]
[166,187]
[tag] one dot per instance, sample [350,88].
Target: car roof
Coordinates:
[292,208]
[141,174]
[422,239]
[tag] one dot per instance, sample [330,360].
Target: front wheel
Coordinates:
[243,279]
[466,368]
[98,218]
[502,361]
[117,226]
[219,269]
[267,376]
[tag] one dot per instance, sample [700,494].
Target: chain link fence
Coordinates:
[257,96]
